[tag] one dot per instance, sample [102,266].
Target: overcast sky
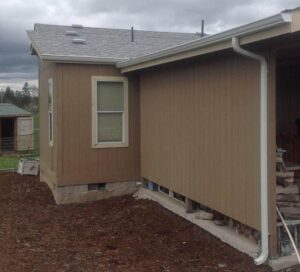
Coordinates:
[16,16]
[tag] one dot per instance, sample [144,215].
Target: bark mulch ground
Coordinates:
[118,234]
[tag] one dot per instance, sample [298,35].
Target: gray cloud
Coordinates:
[16,66]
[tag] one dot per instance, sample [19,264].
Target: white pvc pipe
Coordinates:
[263,148]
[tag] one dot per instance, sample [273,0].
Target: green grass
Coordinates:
[11,161]
[8,162]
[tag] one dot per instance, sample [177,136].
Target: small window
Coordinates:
[110,111]
[50,111]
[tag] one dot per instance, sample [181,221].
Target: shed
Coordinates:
[16,129]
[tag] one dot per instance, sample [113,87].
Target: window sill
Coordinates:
[110,145]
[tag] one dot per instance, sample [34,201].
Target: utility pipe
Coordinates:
[264,253]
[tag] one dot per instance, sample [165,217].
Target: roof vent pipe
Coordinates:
[264,253]
[202,29]
[132,34]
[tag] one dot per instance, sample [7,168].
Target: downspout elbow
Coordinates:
[264,253]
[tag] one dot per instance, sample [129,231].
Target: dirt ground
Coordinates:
[119,234]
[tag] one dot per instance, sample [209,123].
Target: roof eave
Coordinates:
[278,20]
[80,59]
[16,115]
[33,48]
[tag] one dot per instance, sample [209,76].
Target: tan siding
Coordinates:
[47,154]
[81,164]
[200,133]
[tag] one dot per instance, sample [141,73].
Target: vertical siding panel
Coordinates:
[82,163]
[234,159]
[197,140]
[47,154]
[59,118]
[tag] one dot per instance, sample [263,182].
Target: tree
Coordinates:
[34,90]
[9,96]
[26,96]
[26,87]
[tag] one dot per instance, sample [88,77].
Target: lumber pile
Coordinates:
[289,205]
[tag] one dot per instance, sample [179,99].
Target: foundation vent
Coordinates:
[97,187]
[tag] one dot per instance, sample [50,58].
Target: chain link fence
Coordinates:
[10,156]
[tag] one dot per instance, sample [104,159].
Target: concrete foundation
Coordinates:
[224,233]
[283,263]
[81,193]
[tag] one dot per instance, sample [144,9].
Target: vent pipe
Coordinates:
[132,34]
[202,29]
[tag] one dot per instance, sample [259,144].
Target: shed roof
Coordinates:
[9,110]
[52,42]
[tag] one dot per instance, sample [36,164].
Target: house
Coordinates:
[16,129]
[199,117]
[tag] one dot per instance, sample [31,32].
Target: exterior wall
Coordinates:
[24,131]
[48,154]
[200,133]
[77,162]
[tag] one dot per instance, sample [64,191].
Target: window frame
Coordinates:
[50,111]
[125,113]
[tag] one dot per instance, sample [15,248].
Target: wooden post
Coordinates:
[188,205]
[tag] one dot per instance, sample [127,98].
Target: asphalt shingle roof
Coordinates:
[9,110]
[103,42]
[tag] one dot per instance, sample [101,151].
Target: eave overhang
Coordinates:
[280,24]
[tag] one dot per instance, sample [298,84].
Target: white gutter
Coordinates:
[267,23]
[263,148]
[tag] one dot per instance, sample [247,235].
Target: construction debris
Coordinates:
[28,167]
[204,215]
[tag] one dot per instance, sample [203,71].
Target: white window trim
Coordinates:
[50,83]
[125,130]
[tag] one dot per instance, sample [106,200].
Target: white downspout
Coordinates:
[263,148]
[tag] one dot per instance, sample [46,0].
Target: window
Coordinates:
[109,112]
[50,111]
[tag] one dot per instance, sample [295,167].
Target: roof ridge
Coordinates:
[123,29]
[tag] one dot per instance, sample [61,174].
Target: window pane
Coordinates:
[50,96]
[110,96]
[50,126]
[110,127]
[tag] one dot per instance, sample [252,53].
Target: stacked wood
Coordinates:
[286,176]
[290,189]
[289,205]
[288,198]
